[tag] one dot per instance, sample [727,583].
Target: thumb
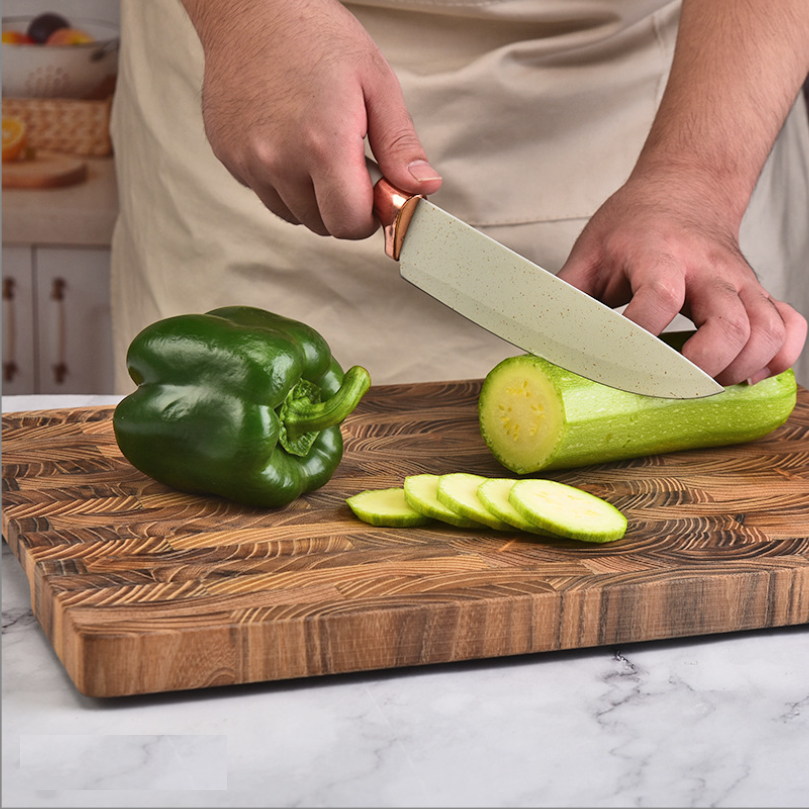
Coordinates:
[396,146]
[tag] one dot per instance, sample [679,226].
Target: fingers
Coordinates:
[794,342]
[743,334]
[291,122]
[776,334]
[337,196]
[393,139]
[328,200]
[334,195]
[659,297]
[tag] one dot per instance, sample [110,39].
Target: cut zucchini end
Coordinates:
[567,511]
[459,492]
[421,494]
[521,413]
[385,507]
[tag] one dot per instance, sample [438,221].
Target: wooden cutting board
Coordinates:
[46,170]
[142,589]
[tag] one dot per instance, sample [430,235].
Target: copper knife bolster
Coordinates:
[394,209]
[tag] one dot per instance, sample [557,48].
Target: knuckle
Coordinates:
[318,147]
[768,324]
[773,333]
[405,142]
[265,157]
[670,294]
[736,325]
[665,292]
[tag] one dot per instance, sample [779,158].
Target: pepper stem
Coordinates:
[303,416]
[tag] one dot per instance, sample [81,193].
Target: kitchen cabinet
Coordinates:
[19,370]
[56,320]
[56,288]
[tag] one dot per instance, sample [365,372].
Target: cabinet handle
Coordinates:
[60,369]
[10,367]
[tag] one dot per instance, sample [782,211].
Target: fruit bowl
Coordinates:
[83,70]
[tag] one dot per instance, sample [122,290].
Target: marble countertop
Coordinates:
[709,721]
[82,214]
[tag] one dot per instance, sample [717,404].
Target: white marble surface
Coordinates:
[714,721]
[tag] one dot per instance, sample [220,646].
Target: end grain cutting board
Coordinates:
[142,589]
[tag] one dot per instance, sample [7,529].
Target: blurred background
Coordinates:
[59,198]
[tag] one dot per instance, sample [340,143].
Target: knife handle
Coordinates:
[393,208]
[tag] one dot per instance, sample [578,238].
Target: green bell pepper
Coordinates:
[237,402]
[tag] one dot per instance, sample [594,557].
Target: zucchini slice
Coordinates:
[567,511]
[421,494]
[385,507]
[459,491]
[493,493]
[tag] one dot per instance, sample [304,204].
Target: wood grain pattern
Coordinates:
[46,170]
[142,589]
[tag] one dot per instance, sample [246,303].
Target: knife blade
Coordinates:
[526,305]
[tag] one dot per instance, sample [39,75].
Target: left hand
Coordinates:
[663,246]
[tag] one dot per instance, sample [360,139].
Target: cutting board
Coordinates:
[46,170]
[143,589]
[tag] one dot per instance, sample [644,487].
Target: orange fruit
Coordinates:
[16,38]
[69,36]
[14,136]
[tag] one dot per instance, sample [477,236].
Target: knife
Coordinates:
[524,304]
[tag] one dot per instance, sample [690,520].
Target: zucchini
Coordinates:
[535,416]
[566,511]
[543,507]
[459,492]
[493,493]
[385,507]
[421,494]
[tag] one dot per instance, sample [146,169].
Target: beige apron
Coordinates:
[534,111]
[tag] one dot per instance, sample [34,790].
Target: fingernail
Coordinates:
[759,377]
[422,171]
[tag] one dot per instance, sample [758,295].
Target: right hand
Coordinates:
[290,92]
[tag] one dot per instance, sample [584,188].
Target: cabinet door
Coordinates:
[75,330]
[19,324]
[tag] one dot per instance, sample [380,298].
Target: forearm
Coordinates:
[738,68]
[220,20]
[208,16]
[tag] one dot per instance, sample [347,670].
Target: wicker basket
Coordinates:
[64,125]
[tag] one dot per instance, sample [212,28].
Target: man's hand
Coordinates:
[290,92]
[658,245]
[667,241]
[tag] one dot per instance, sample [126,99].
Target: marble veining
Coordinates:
[718,721]
[125,762]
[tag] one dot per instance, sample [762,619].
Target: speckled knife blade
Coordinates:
[539,313]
